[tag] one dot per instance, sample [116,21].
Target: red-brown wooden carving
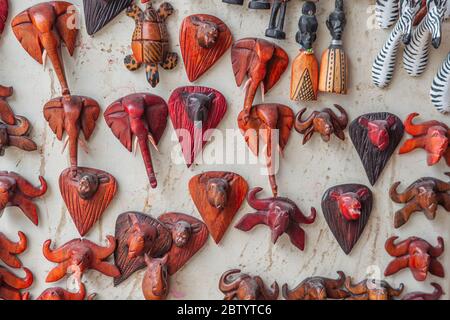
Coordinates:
[203,41]
[241,286]
[3,14]
[11,284]
[155,284]
[9,249]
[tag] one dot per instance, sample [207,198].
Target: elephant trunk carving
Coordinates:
[145,150]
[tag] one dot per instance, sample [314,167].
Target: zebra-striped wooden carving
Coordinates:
[387,12]
[417,52]
[440,88]
[384,64]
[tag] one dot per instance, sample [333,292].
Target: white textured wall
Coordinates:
[306,172]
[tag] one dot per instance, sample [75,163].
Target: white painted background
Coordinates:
[306,172]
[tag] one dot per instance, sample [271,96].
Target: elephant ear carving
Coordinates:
[117,119]
[54,114]
[66,24]
[275,68]
[242,55]
[156,114]
[28,36]
[90,114]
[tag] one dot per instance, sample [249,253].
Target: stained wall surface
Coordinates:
[97,71]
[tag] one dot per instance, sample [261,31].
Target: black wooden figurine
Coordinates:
[253,4]
[277,17]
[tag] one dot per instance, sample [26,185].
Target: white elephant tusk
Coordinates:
[66,141]
[153,142]
[44,58]
[247,84]
[262,91]
[83,144]
[135,145]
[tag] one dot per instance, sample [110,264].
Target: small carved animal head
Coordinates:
[165,10]
[207,32]
[81,258]
[217,192]
[241,286]
[197,106]
[88,185]
[279,218]
[378,131]
[350,203]
[142,236]
[420,260]
[155,283]
[427,198]
[181,233]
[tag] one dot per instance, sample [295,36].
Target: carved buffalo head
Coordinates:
[141,238]
[371,289]
[378,131]
[207,32]
[217,192]
[197,106]
[88,185]
[241,286]
[349,203]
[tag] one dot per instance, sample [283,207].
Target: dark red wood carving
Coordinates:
[218,196]
[15,191]
[267,122]
[195,112]
[432,136]
[203,41]
[9,249]
[261,61]
[155,284]
[281,215]
[375,137]
[142,115]
[325,122]
[79,255]
[317,288]
[178,235]
[57,293]
[87,193]
[424,195]
[417,255]
[347,209]
[435,295]
[72,114]
[241,286]
[371,289]
[3,14]
[11,284]
[6,113]
[43,27]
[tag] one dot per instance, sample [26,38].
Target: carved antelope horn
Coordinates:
[439,249]
[57,255]
[302,125]
[399,249]
[28,189]
[267,293]
[342,120]
[298,293]
[20,128]
[225,285]
[255,203]
[401,197]
[339,282]
[435,295]
[420,129]
[394,292]
[14,281]
[357,289]
[441,185]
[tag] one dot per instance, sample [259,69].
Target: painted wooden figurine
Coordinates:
[98,13]
[417,52]
[384,64]
[334,64]
[305,68]
[440,88]
[387,12]
[204,39]
[150,40]
[277,17]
